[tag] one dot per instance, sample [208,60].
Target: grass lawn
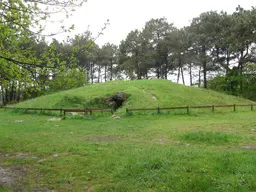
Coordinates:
[207,152]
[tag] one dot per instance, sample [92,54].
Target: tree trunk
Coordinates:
[87,68]
[137,66]
[111,70]
[12,92]
[99,72]
[105,72]
[162,72]
[190,74]
[166,67]
[18,93]
[227,60]
[204,67]
[180,69]
[2,95]
[158,73]
[240,68]
[92,72]
[182,75]
[178,78]
[205,75]
[138,70]
[199,80]
[6,96]
[146,74]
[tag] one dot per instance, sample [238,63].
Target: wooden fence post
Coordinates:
[251,107]
[61,111]
[91,112]
[127,111]
[64,113]
[158,110]
[213,108]
[188,110]
[234,107]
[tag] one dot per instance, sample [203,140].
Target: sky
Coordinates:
[127,15]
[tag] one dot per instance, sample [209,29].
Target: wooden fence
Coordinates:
[90,111]
[62,111]
[187,108]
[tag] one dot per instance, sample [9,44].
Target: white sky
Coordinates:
[127,15]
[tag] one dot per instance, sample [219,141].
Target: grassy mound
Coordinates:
[142,94]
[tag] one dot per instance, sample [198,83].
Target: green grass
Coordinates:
[207,152]
[141,94]
[209,137]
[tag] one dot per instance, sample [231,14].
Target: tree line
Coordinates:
[217,50]
[220,46]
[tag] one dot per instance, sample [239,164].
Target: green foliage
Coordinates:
[233,82]
[26,60]
[68,79]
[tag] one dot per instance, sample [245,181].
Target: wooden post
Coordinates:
[61,111]
[251,107]
[41,110]
[234,107]
[91,112]
[127,111]
[64,113]
[213,108]
[188,110]
[85,111]
[158,110]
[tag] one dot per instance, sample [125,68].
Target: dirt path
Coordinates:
[5,177]
[13,176]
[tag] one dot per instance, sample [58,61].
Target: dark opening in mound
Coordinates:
[116,101]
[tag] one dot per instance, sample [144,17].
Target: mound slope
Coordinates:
[141,93]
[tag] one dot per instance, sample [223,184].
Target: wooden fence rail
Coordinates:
[62,110]
[128,110]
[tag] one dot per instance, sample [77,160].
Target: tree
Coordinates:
[204,30]
[68,79]
[109,52]
[155,33]
[243,37]
[18,18]
[21,29]
[130,54]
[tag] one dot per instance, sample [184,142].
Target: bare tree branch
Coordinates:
[24,63]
